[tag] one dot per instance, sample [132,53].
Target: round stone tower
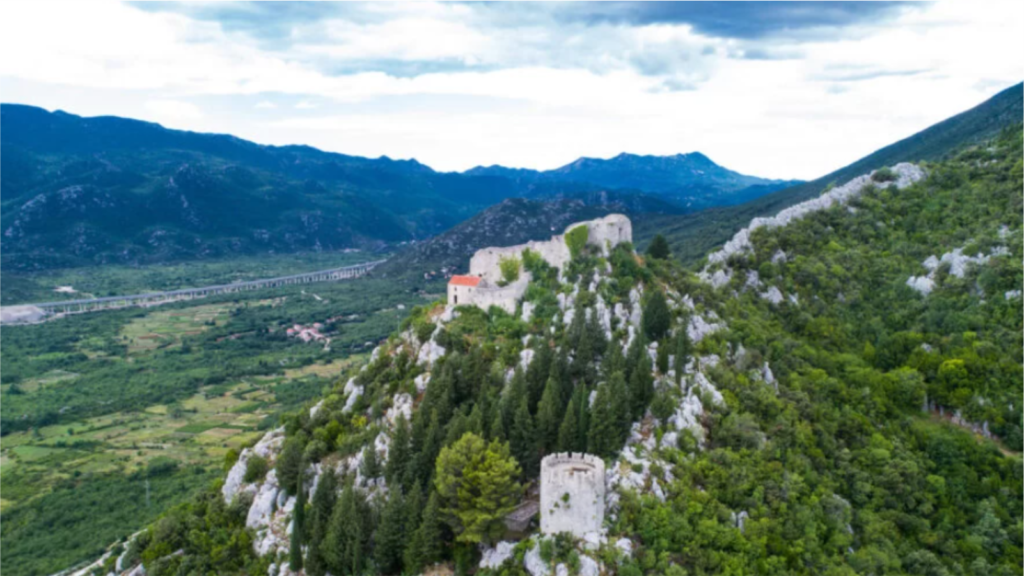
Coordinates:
[571,493]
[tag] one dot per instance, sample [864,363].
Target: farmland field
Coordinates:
[140,406]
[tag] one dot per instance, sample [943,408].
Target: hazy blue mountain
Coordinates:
[83,191]
[693,179]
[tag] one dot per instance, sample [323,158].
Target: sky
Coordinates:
[772,89]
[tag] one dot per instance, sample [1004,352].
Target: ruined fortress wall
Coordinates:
[571,493]
[502,297]
[604,233]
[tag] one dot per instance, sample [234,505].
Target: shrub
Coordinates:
[510,266]
[532,260]
[576,240]
[255,469]
[884,174]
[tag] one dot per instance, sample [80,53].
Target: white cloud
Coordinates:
[535,94]
[265,105]
[174,109]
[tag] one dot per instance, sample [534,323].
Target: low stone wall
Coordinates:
[572,491]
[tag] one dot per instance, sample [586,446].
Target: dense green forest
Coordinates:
[854,426]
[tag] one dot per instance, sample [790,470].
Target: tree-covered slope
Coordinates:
[801,406]
[692,235]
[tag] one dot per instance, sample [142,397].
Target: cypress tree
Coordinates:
[620,410]
[537,372]
[424,467]
[602,438]
[523,440]
[498,428]
[641,388]
[455,429]
[298,526]
[549,415]
[427,544]
[399,453]
[370,466]
[568,432]
[659,248]
[389,545]
[475,422]
[319,521]
[663,355]
[614,361]
[682,352]
[345,546]
[657,318]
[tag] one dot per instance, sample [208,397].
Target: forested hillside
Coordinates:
[823,398]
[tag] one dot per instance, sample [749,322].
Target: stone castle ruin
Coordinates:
[480,287]
[571,493]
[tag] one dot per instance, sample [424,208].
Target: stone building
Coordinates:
[480,287]
[571,493]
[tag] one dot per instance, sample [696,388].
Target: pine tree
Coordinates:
[390,538]
[319,521]
[298,526]
[523,438]
[659,248]
[498,428]
[476,485]
[399,453]
[549,415]
[657,318]
[426,547]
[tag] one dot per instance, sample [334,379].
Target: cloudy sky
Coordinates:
[771,89]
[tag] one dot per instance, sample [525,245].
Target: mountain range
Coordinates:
[85,191]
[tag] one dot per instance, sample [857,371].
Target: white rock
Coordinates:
[906,174]
[625,545]
[528,308]
[779,257]
[357,391]
[589,566]
[773,295]
[263,505]
[421,381]
[922,284]
[494,557]
[401,404]
[699,328]
[533,563]
[561,570]
[1011,294]
[315,409]
[525,358]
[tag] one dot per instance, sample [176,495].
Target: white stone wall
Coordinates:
[604,233]
[571,493]
[504,298]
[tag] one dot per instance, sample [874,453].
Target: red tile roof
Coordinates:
[465,280]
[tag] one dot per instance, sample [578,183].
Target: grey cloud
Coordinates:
[738,20]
